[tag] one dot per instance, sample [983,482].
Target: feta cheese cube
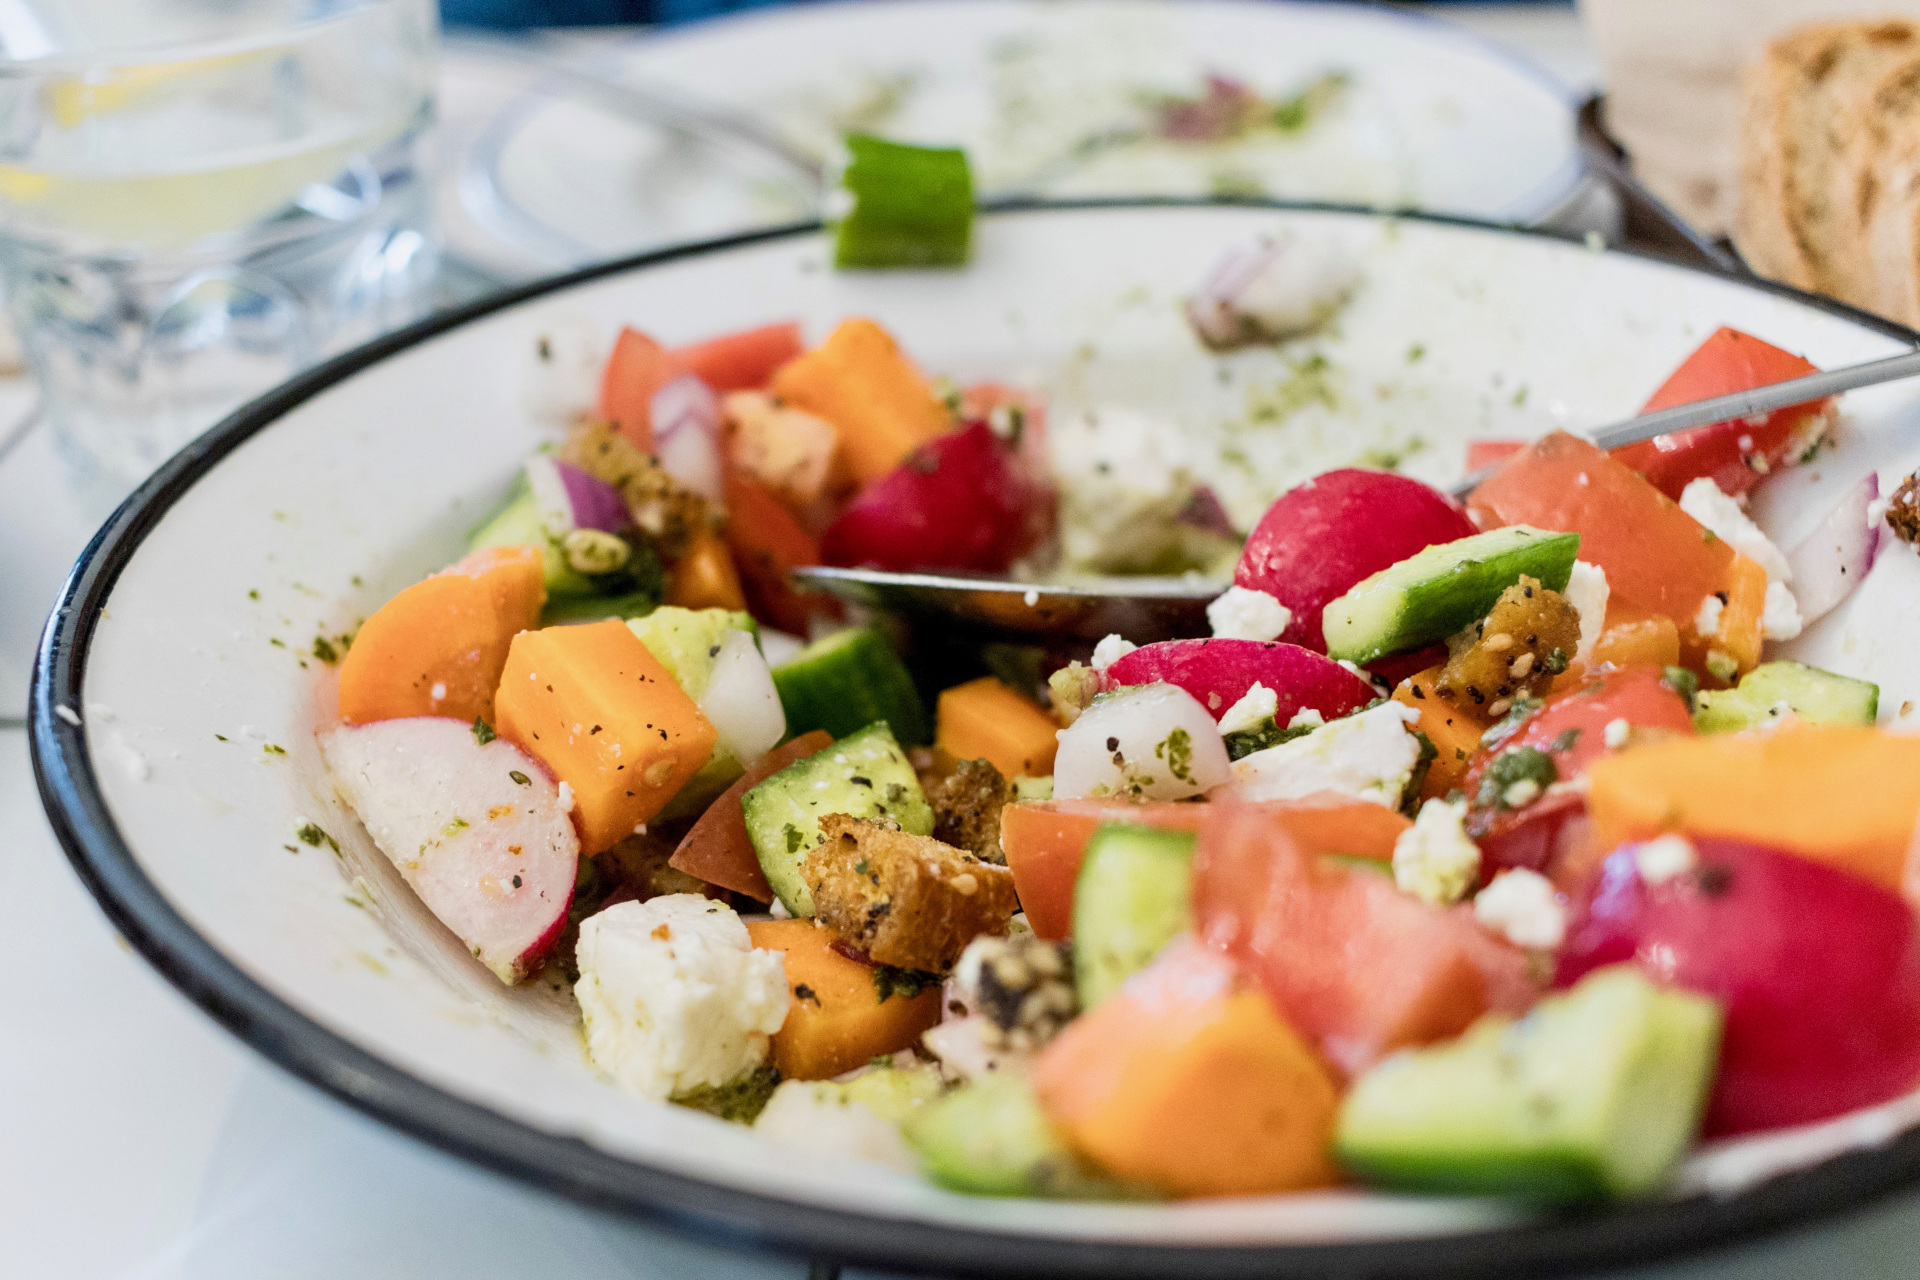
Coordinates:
[1664,857]
[1240,613]
[674,994]
[1369,755]
[1434,860]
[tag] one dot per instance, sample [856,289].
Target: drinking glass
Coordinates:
[198,198]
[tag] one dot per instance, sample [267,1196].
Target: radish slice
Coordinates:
[1831,561]
[686,434]
[1154,742]
[567,498]
[741,700]
[480,833]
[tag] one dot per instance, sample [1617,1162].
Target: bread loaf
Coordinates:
[1813,137]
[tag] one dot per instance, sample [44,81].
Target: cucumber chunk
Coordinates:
[1134,895]
[865,774]
[1773,690]
[1597,1092]
[990,1138]
[912,206]
[518,524]
[687,640]
[850,679]
[1432,595]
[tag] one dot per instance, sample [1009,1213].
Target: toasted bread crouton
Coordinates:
[1514,652]
[966,808]
[905,900]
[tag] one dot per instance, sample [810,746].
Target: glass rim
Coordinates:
[69,62]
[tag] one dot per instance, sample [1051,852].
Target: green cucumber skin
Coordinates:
[991,1138]
[1816,696]
[847,681]
[913,206]
[1134,894]
[1434,594]
[1595,1094]
[790,800]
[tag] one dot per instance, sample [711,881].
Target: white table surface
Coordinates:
[138,1141]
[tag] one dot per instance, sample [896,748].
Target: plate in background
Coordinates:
[1432,116]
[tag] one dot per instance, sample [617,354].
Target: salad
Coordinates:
[1481,848]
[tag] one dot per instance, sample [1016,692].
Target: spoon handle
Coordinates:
[1740,404]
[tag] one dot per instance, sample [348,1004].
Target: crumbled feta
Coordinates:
[566,798]
[1664,857]
[820,1116]
[1707,621]
[1239,613]
[1109,651]
[1307,718]
[1124,479]
[1522,905]
[1369,756]
[1587,591]
[1616,733]
[1520,794]
[1258,705]
[1434,860]
[674,994]
[1703,500]
[1780,615]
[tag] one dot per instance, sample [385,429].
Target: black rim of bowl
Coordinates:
[1558,1244]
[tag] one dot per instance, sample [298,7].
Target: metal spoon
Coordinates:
[1145,609]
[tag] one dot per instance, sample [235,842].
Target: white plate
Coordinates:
[181,658]
[1434,118]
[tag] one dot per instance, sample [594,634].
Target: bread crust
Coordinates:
[1807,104]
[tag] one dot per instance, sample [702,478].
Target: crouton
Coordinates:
[1515,651]
[905,900]
[966,808]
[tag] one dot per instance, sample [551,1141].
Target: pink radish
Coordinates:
[1830,562]
[1218,674]
[1819,971]
[480,833]
[1320,538]
[567,498]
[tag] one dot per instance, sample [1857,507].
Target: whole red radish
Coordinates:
[1218,674]
[961,501]
[480,831]
[1320,538]
[1819,971]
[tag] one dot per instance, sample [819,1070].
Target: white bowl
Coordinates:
[176,696]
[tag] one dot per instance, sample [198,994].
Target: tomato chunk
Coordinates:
[1735,455]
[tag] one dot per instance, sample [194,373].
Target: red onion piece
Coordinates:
[686,434]
[1831,561]
[1214,312]
[1204,511]
[596,504]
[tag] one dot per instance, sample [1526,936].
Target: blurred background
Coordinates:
[199,198]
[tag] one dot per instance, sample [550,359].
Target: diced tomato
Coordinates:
[638,368]
[1044,841]
[768,544]
[1355,965]
[1482,454]
[1657,558]
[1571,728]
[1734,455]
[742,361]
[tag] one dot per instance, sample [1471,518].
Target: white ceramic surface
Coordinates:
[200,664]
[1434,117]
